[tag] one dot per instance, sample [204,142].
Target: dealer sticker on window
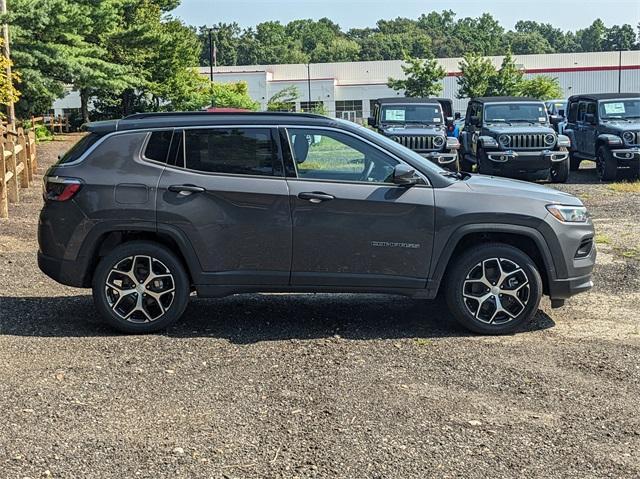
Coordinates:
[614,108]
[394,115]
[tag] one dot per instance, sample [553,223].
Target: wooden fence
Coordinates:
[18,165]
[55,124]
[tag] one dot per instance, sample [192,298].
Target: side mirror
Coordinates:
[371,121]
[404,175]
[555,119]
[561,113]
[449,120]
[590,118]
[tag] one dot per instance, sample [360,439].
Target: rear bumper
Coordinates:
[69,273]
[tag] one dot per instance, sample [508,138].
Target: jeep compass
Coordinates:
[151,208]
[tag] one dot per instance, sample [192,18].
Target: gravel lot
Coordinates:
[304,386]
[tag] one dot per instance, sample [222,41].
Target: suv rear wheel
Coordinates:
[140,287]
[493,289]
[606,164]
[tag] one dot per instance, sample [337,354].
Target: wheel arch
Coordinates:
[526,239]
[103,239]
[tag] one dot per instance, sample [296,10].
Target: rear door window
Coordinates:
[158,146]
[239,151]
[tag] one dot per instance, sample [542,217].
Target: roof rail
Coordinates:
[143,116]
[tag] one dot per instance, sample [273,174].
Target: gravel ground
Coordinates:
[305,386]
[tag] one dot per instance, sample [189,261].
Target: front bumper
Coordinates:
[439,158]
[518,163]
[626,155]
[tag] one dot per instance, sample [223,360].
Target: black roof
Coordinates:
[604,96]
[405,99]
[204,118]
[502,99]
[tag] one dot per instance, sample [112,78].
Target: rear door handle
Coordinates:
[315,197]
[186,190]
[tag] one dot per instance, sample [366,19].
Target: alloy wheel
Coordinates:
[496,291]
[140,289]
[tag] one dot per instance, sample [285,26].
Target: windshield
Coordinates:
[621,109]
[401,114]
[514,112]
[555,107]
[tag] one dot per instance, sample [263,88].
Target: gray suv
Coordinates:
[148,209]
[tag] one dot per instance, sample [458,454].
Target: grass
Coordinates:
[603,239]
[625,187]
[633,253]
[424,342]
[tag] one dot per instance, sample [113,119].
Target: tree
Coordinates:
[620,38]
[339,50]
[8,92]
[423,78]
[282,100]
[591,39]
[527,43]
[508,80]
[542,87]
[476,73]
[233,95]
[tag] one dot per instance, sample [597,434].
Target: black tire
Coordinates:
[465,164]
[465,270]
[483,163]
[128,262]
[560,171]
[606,164]
[574,162]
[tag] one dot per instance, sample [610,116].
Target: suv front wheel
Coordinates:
[140,287]
[606,164]
[493,289]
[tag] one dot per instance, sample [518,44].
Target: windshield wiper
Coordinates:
[523,119]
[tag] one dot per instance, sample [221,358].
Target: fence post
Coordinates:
[31,141]
[27,172]
[12,184]
[21,159]
[4,201]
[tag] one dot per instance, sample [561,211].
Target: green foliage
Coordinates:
[423,78]
[233,95]
[282,100]
[43,133]
[508,80]
[8,92]
[436,34]
[542,87]
[476,73]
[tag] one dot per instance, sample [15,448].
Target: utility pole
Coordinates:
[11,112]
[309,85]
[620,71]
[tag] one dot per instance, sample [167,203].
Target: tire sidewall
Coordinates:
[606,164]
[461,268]
[159,252]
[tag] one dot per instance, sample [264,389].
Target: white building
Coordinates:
[347,89]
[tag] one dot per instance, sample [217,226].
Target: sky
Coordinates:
[566,14]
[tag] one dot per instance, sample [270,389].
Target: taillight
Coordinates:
[57,188]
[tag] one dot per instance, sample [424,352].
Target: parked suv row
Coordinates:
[147,209]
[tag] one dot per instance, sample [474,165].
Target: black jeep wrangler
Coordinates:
[418,124]
[605,128]
[512,136]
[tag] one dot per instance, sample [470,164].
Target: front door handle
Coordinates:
[186,190]
[315,197]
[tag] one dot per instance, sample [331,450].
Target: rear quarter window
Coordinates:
[157,148]
[77,150]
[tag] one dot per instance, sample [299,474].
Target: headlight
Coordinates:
[438,141]
[629,137]
[549,139]
[504,140]
[569,214]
